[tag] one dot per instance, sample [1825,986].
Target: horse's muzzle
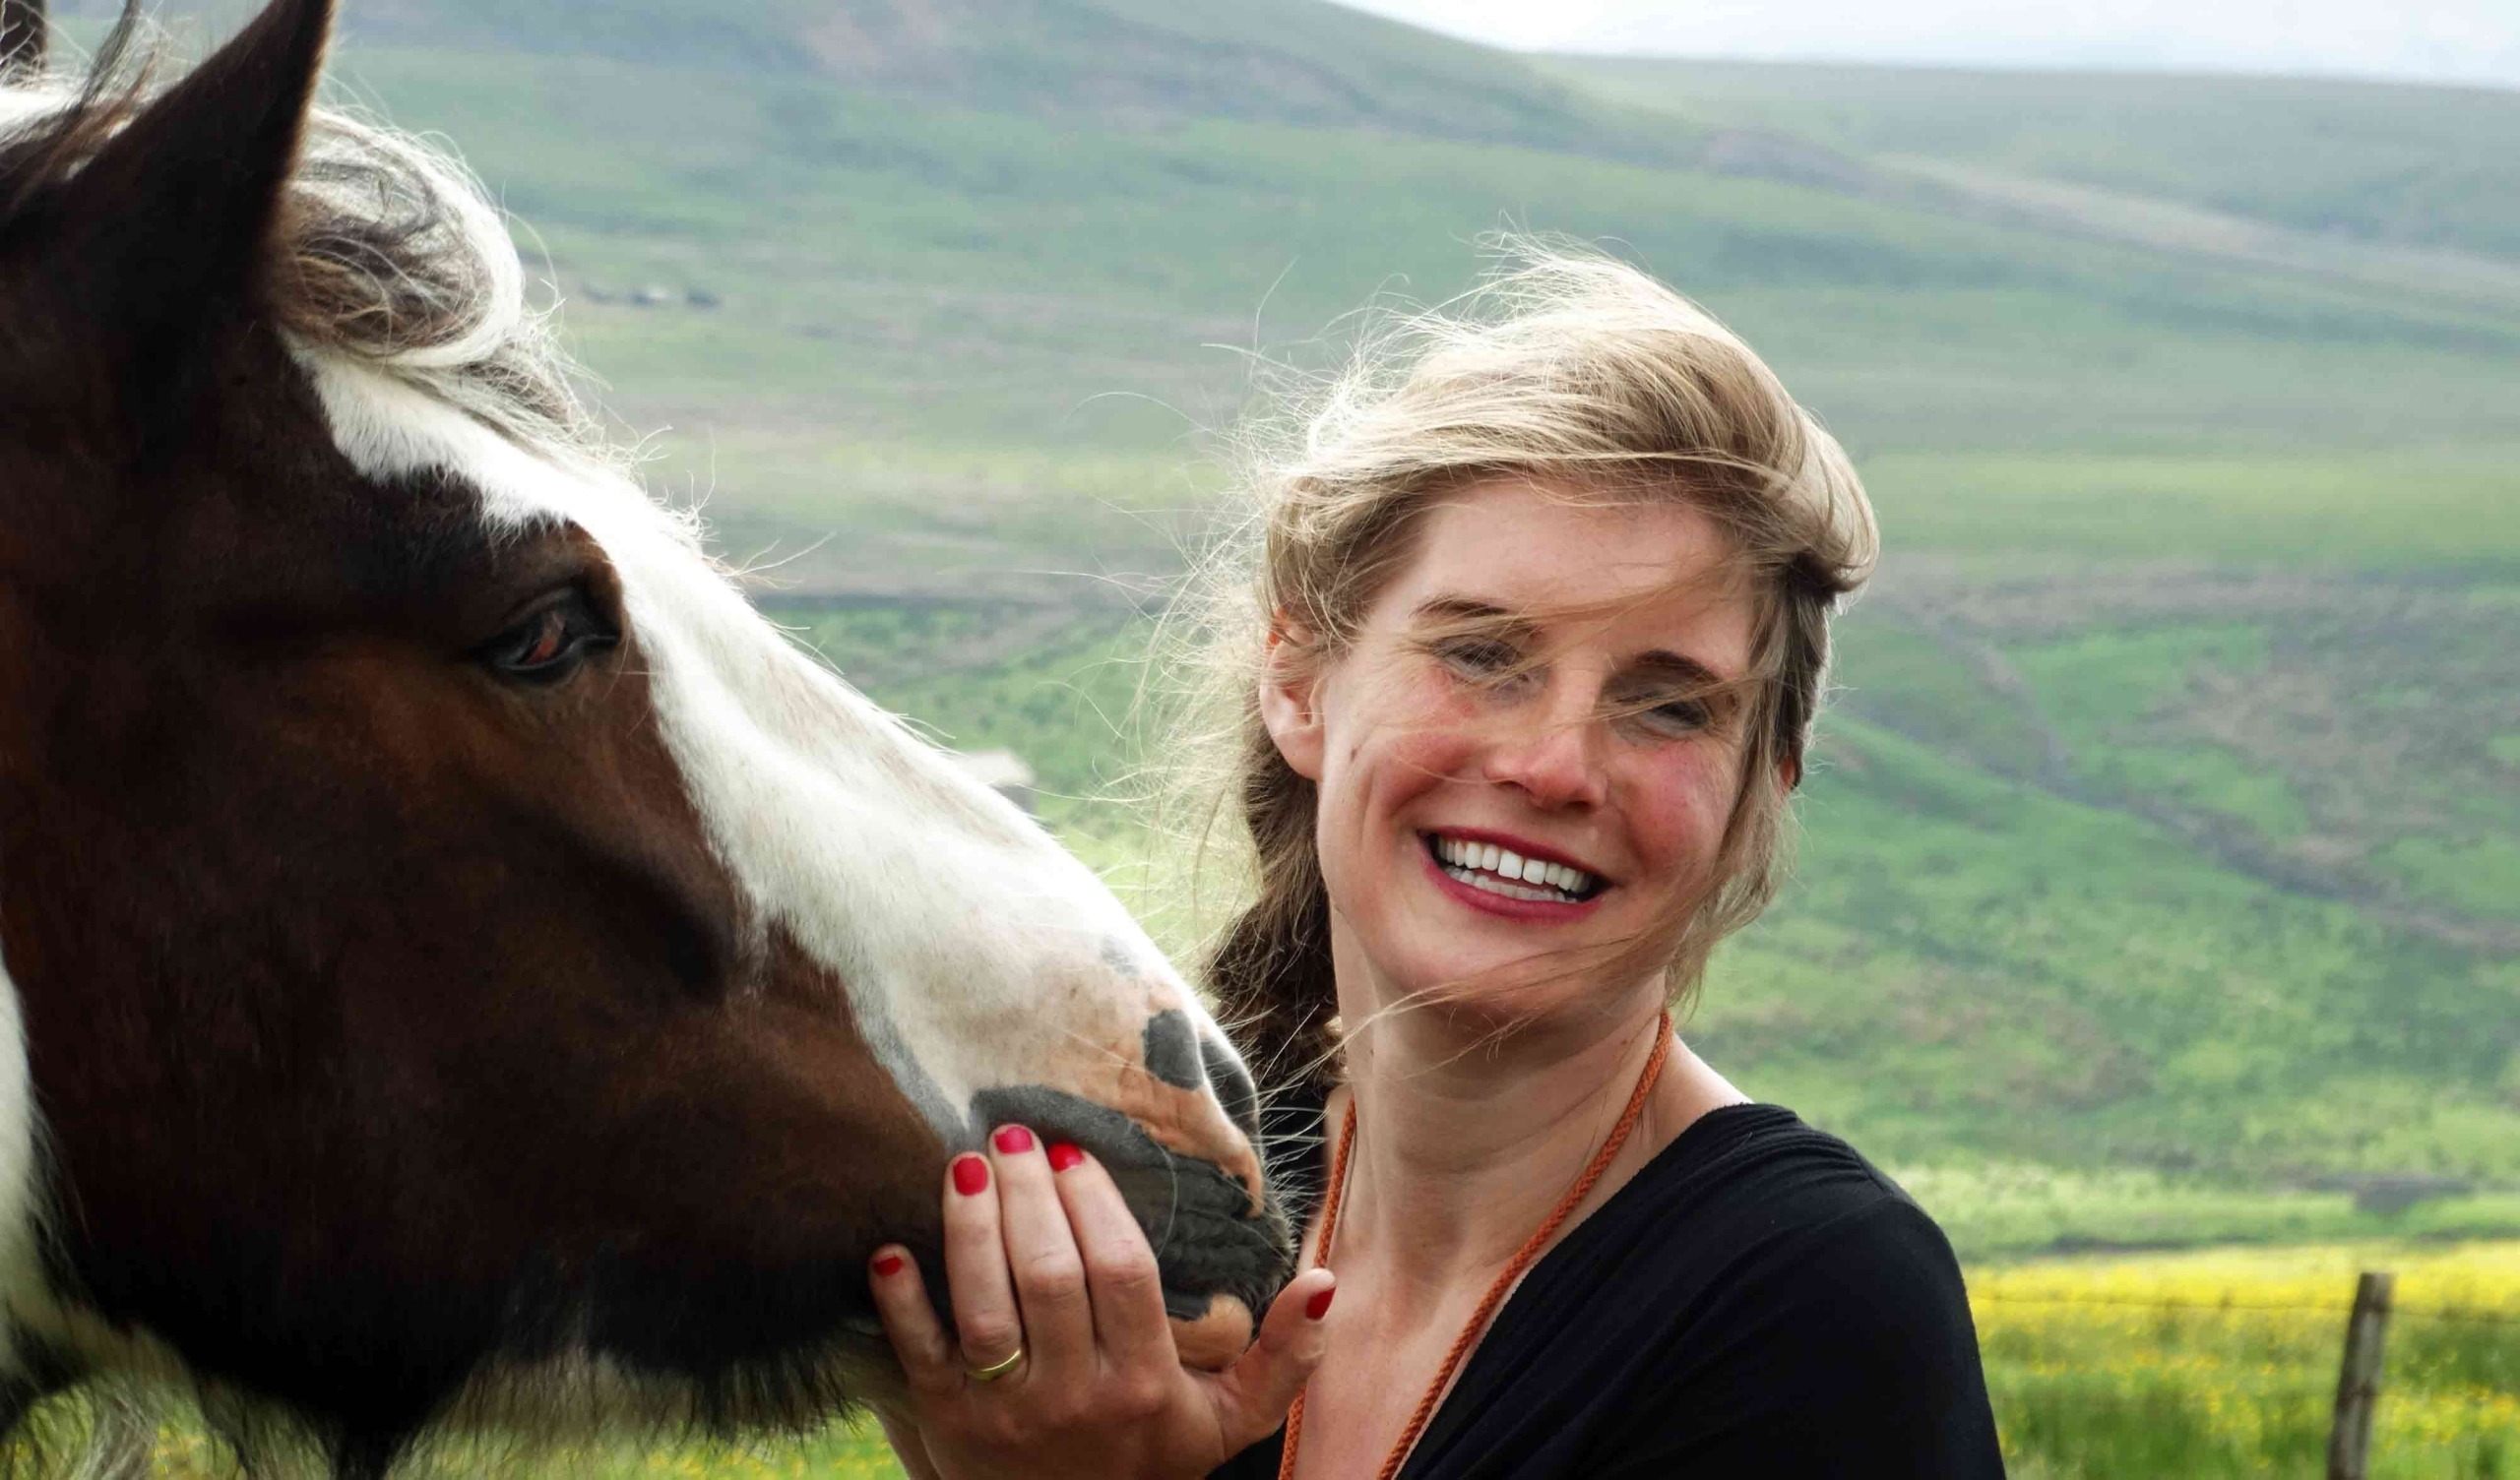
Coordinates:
[1223,1252]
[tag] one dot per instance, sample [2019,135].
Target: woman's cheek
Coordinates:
[1679,812]
[1423,733]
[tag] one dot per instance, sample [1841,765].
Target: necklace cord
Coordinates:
[1524,1257]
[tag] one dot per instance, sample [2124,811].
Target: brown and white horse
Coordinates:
[467,962]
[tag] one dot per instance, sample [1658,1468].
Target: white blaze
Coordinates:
[947,913]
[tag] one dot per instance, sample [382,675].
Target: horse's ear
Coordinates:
[167,227]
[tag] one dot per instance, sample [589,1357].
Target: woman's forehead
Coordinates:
[1651,572]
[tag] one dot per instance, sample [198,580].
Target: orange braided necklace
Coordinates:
[1523,1259]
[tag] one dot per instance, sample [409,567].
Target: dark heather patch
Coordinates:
[1233,1086]
[1195,1216]
[1172,1050]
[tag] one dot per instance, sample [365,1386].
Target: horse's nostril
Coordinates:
[1177,1054]
[1172,1050]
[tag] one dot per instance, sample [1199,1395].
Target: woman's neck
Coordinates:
[1467,1139]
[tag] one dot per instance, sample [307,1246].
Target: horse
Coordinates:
[464,965]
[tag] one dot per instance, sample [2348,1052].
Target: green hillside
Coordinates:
[2423,166]
[2169,820]
[1140,60]
[930,299]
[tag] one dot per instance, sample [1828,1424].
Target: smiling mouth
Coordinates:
[1501,871]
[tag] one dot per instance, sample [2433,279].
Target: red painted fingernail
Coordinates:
[970,1176]
[1063,1157]
[1014,1140]
[1319,1305]
[888,1265]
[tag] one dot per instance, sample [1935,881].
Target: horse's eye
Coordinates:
[551,642]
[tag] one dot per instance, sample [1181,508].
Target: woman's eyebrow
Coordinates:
[1466,611]
[1678,669]
[1661,663]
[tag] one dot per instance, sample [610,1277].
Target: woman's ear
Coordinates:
[1290,683]
[1789,771]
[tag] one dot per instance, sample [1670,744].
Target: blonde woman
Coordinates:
[1526,653]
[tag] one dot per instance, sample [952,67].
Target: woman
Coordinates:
[1526,654]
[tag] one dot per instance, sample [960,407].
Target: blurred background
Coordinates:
[2162,883]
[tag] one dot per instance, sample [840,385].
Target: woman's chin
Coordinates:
[1512,991]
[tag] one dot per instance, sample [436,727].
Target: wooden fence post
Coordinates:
[2358,1381]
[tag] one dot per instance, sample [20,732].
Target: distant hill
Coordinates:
[2392,165]
[1290,61]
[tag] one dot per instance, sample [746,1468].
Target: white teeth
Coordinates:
[1491,884]
[1500,870]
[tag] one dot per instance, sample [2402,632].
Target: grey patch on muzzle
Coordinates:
[1172,1050]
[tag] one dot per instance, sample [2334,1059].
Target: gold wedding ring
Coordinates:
[995,1370]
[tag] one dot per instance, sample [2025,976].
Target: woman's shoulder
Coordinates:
[1761,1167]
[1759,1299]
[1751,1198]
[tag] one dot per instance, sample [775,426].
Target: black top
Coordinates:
[1759,1301]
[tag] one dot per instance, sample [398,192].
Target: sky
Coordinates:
[2475,41]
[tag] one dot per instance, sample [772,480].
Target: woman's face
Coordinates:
[1539,687]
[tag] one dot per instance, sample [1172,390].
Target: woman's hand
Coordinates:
[1044,1259]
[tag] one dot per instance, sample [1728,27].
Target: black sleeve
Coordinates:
[1850,1353]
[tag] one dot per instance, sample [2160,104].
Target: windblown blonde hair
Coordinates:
[1578,373]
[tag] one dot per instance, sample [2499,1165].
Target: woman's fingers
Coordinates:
[909,1320]
[987,1325]
[1252,1397]
[1119,1267]
[1046,1259]
[1041,1253]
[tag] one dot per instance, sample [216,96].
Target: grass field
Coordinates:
[2197,1365]
[2225,1362]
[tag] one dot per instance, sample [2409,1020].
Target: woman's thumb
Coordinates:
[1253,1395]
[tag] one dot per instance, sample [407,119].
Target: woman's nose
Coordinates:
[1557,761]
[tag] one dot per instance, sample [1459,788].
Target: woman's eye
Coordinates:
[1670,716]
[1680,716]
[1477,658]
[550,642]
